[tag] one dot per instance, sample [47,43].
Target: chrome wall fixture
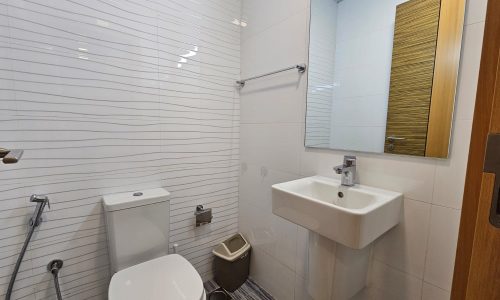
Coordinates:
[35,221]
[300,67]
[54,267]
[203,215]
[10,156]
[347,170]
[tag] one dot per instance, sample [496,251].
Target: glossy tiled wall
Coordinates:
[414,260]
[109,96]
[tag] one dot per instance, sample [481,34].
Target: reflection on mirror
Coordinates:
[382,75]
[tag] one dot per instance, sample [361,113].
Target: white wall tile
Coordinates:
[443,236]
[301,291]
[450,174]
[469,71]
[284,105]
[275,146]
[404,246]
[251,187]
[394,284]
[320,162]
[275,278]
[261,15]
[274,49]
[371,293]
[285,246]
[274,235]
[430,292]
[411,176]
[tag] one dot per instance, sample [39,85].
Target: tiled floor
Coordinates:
[248,291]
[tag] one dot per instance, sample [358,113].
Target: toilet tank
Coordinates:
[137,226]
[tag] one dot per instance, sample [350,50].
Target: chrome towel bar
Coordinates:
[300,67]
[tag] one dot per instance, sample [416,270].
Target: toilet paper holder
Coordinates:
[203,215]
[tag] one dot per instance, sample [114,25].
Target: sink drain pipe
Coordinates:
[54,267]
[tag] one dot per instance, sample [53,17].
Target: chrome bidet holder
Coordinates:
[41,201]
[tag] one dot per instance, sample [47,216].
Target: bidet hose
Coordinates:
[19,261]
[55,273]
[54,267]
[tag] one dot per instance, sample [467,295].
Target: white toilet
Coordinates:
[138,232]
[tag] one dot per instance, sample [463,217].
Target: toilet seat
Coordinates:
[169,277]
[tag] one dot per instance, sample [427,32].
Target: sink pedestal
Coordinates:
[351,270]
[335,271]
[321,267]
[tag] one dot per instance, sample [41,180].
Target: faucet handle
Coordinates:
[349,160]
[338,169]
[40,199]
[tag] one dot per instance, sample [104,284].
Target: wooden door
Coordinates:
[477,267]
[412,71]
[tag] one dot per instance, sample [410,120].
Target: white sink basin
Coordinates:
[355,220]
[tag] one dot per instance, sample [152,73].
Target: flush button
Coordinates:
[137,194]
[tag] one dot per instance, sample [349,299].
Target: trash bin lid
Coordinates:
[232,248]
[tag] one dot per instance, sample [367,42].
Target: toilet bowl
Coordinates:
[138,233]
[170,277]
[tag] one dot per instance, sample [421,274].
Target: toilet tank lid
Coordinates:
[134,199]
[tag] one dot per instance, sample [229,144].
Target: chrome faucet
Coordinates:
[41,201]
[347,170]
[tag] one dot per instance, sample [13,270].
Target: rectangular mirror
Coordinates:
[382,75]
